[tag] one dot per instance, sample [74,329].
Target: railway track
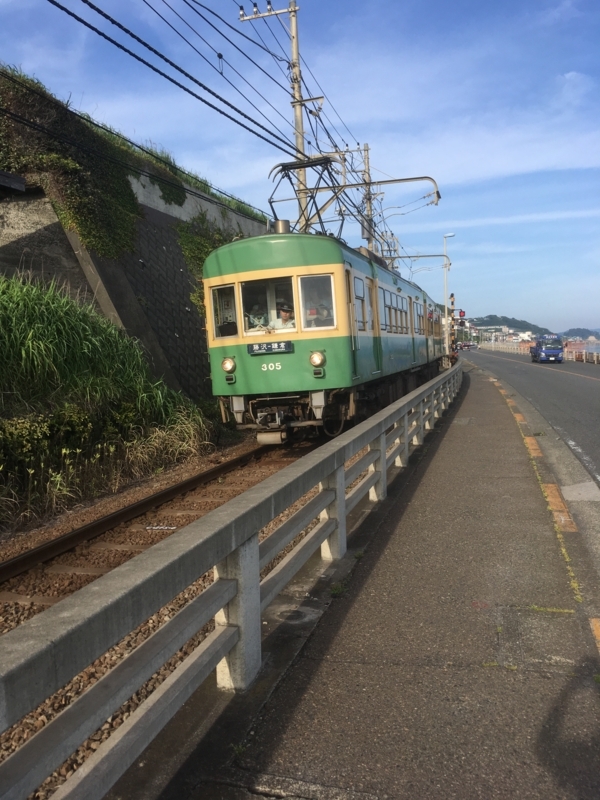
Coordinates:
[46,574]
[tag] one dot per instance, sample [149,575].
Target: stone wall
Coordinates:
[33,241]
[146,292]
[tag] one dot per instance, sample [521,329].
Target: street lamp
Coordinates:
[446,268]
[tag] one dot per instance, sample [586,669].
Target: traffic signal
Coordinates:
[462,323]
[461,313]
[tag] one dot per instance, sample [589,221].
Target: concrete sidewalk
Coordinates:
[456,661]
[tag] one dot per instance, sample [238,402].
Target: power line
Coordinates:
[168,77]
[276,58]
[331,104]
[214,27]
[118,135]
[105,157]
[235,30]
[287,33]
[175,66]
[239,91]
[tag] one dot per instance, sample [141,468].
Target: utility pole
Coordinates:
[368,199]
[297,103]
[452,328]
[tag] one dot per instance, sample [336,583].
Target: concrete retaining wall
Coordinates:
[146,292]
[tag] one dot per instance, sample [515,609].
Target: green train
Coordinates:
[306,333]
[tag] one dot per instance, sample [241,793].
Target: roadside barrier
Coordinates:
[44,653]
[570,353]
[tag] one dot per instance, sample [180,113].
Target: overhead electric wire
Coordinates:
[331,104]
[169,78]
[272,32]
[168,164]
[322,92]
[168,61]
[235,30]
[277,59]
[213,66]
[308,90]
[328,134]
[105,157]
[208,22]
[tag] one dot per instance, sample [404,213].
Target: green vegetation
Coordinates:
[339,589]
[509,322]
[79,410]
[197,239]
[581,333]
[84,169]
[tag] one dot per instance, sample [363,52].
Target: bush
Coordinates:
[80,412]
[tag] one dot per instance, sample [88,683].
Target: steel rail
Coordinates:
[44,552]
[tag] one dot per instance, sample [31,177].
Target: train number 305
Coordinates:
[271,366]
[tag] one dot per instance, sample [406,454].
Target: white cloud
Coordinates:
[515,219]
[565,10]
[573,88]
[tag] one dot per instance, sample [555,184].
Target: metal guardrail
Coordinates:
[570,354]
[50,649]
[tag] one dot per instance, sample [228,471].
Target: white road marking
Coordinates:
[579,452]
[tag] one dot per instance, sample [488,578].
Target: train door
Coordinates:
[371,325]
[429,332]
[352,319]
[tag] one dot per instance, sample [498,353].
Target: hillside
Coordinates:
[581,333]
[509,322]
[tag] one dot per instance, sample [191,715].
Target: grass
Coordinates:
[80,414]
[339,589]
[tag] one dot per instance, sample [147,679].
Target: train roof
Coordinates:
[281,250]
[284,250]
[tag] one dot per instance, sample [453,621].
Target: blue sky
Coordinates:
[498,102]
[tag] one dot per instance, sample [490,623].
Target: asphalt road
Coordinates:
[567,395]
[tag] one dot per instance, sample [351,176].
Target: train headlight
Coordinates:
[317,359]
[228,364]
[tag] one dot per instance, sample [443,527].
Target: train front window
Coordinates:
[224,313]
[316,300]
[268,305]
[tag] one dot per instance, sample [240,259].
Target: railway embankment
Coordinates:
[458,659]
[245,554]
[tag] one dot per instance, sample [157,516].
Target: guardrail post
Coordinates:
[379,490]
[429,407]
[239,668]
[334,547]
[401,459]
[418,435]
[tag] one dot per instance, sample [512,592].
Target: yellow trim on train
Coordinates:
[342,327]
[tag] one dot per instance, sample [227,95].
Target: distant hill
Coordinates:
[509,322]
[580,333]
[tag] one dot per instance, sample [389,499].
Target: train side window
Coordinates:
[419,318]
[403,307]
[359,303]
[224,312]
[430,321]
[316,301]
[382,320]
